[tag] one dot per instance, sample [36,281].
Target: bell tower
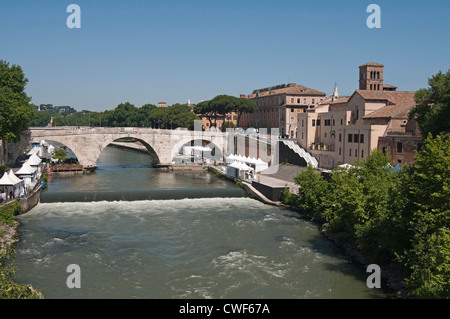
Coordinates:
[371,77]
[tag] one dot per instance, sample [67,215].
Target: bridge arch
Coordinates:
[66,146]
[154,157]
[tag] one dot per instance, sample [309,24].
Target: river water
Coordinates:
[136,232]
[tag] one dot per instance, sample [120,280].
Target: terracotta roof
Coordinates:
[294,90]
[398,103]
[372,64]
[339,100]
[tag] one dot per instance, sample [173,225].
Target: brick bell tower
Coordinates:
[371,77]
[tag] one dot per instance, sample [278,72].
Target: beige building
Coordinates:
[279,106]
[342,130]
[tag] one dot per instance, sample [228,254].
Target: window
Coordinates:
[292,110]
[356,152]
[384,150]
[361,138]
[302,135]
[298,101]
[318,122]
[342,122]
[340,137]
[292,100]
[327,122]
[313,101]
[419,146]
[399,147]
[340,151]
[313,122]
[362,153]
[302,123]
[325,134]
[350,138]
[304,101]
[350,152]
[334,123]
[356,138]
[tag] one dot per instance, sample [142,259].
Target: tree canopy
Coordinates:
[15,108]
[219,106]
[433,106]
[128,115]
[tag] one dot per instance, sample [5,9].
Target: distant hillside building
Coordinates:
[278,107]
[162,104]
[342,130]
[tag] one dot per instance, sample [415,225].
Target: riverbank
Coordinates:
[9,236]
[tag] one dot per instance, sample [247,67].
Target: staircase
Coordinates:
[301,152]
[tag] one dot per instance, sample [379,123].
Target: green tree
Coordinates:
[125,114]
[433,106]
[60,154]
[40,119]
[244,105]
[313,192]
[16,111]
[428,259]
[205,108]
[226,125]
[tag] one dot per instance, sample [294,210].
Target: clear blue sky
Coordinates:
[172,50]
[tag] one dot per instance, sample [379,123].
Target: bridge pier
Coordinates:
[89,169]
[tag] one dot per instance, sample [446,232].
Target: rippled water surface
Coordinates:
[169,246]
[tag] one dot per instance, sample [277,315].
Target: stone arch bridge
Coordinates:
[87,143]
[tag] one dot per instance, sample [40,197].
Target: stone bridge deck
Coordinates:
[87,143]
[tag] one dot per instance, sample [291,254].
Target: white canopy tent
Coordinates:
[18,181]
[28,174]
[34,150]
[236,169]
[34,160]
[258,164]
[11,187]
[26,169]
